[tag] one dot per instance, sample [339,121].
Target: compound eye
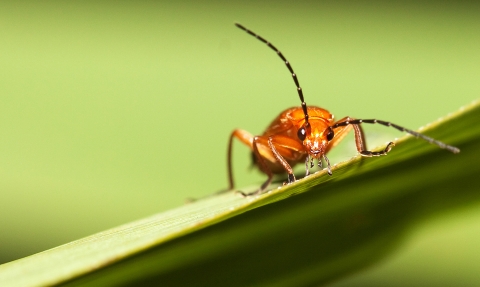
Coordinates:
[330,134]
[302,134]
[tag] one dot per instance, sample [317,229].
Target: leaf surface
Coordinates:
[311,232]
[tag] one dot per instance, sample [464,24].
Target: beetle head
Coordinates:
[315,137]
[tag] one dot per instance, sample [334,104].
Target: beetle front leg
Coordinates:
[361,144]
[283,162]
[343,126]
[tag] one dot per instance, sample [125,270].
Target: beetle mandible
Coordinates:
[305,134]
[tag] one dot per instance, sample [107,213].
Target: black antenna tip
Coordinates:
[287,63]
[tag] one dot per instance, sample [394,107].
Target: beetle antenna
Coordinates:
[402,129]
[294,76]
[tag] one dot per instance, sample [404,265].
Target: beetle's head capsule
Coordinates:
[315,138]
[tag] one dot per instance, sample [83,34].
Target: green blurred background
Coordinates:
[113,111]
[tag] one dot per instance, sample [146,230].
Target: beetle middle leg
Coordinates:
[273,155]
[261,151]
[263,147]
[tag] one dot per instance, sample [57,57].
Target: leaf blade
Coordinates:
[265,243]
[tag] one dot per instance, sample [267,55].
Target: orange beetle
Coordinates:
[302,134]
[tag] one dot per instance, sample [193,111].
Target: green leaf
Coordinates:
[311,232]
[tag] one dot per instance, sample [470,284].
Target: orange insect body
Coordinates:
[305,134]
[289,122]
